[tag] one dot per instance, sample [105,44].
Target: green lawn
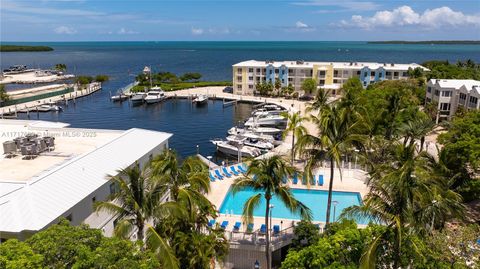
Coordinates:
[185,85]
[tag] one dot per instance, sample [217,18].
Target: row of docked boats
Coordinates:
[260,134]
[154,95]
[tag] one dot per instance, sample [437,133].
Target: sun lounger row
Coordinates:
[238,225]
[315,180]
[224,172]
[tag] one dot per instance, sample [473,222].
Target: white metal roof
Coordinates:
[336,65]
[456,83]
[38,202]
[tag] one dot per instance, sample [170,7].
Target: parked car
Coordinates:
[228,90]
[306,98]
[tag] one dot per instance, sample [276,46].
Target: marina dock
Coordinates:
[35,106]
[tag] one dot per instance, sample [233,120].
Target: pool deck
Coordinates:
[352,181]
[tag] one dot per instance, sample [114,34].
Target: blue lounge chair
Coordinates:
[224,224]
[276,229]
[211,223]
[304,179]
[218,174]
[263,229]
[295,178]
[236,227]
[225,172]
[232,168]
[250,228]
[212,178]
[320,180]
[240,167]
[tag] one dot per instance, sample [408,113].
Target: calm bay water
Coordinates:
[191,125]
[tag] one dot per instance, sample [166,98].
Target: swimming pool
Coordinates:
[316,200]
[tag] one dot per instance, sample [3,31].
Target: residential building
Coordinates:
[329,75]
[450,94]
[67,179]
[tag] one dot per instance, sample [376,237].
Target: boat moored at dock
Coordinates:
[235,149]
[154,96]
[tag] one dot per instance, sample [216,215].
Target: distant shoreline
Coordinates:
[436,42]
[20,48]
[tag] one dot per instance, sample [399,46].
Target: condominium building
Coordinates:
[329,75]
[65,176]
[450,94]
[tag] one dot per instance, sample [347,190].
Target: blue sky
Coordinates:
[122,20]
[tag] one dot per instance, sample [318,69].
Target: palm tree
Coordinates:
[191,175]
[295,127]
[403,195]
[417,128]
[135,201]
[336,134]
[269,173]
[320,101]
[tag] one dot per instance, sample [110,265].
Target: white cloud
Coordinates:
[406,16]
[223,31]
[300,27]
[300,24]
[197,31]
[10,6]
[124,31]
[64,30]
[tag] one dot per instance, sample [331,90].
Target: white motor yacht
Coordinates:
[251,140]
[267,120]
[233,148]
[138,98]
[154,97]
[50,107]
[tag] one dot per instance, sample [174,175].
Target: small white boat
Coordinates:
[119,97]
[50,107]
[154,97]
[138,98]
[233,148]
[200,99]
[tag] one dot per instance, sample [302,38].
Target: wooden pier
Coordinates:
[35,106]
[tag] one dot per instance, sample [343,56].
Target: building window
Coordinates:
[290,79]
[473,100]
[404,74]
[250,87]
[258,70]
[446,93]
[429,89]
[94,199]
[358,73]
[250,78]
[372,74]
[113,188]
[239,87]
[321,82]
[250,70]
[335,73]
[258,79]
[335,81]
[239,70]
[388,73]
[463,96]
[395,74]
[428,100]
[277,71]
[345,72]
[437,92]
[445,106]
